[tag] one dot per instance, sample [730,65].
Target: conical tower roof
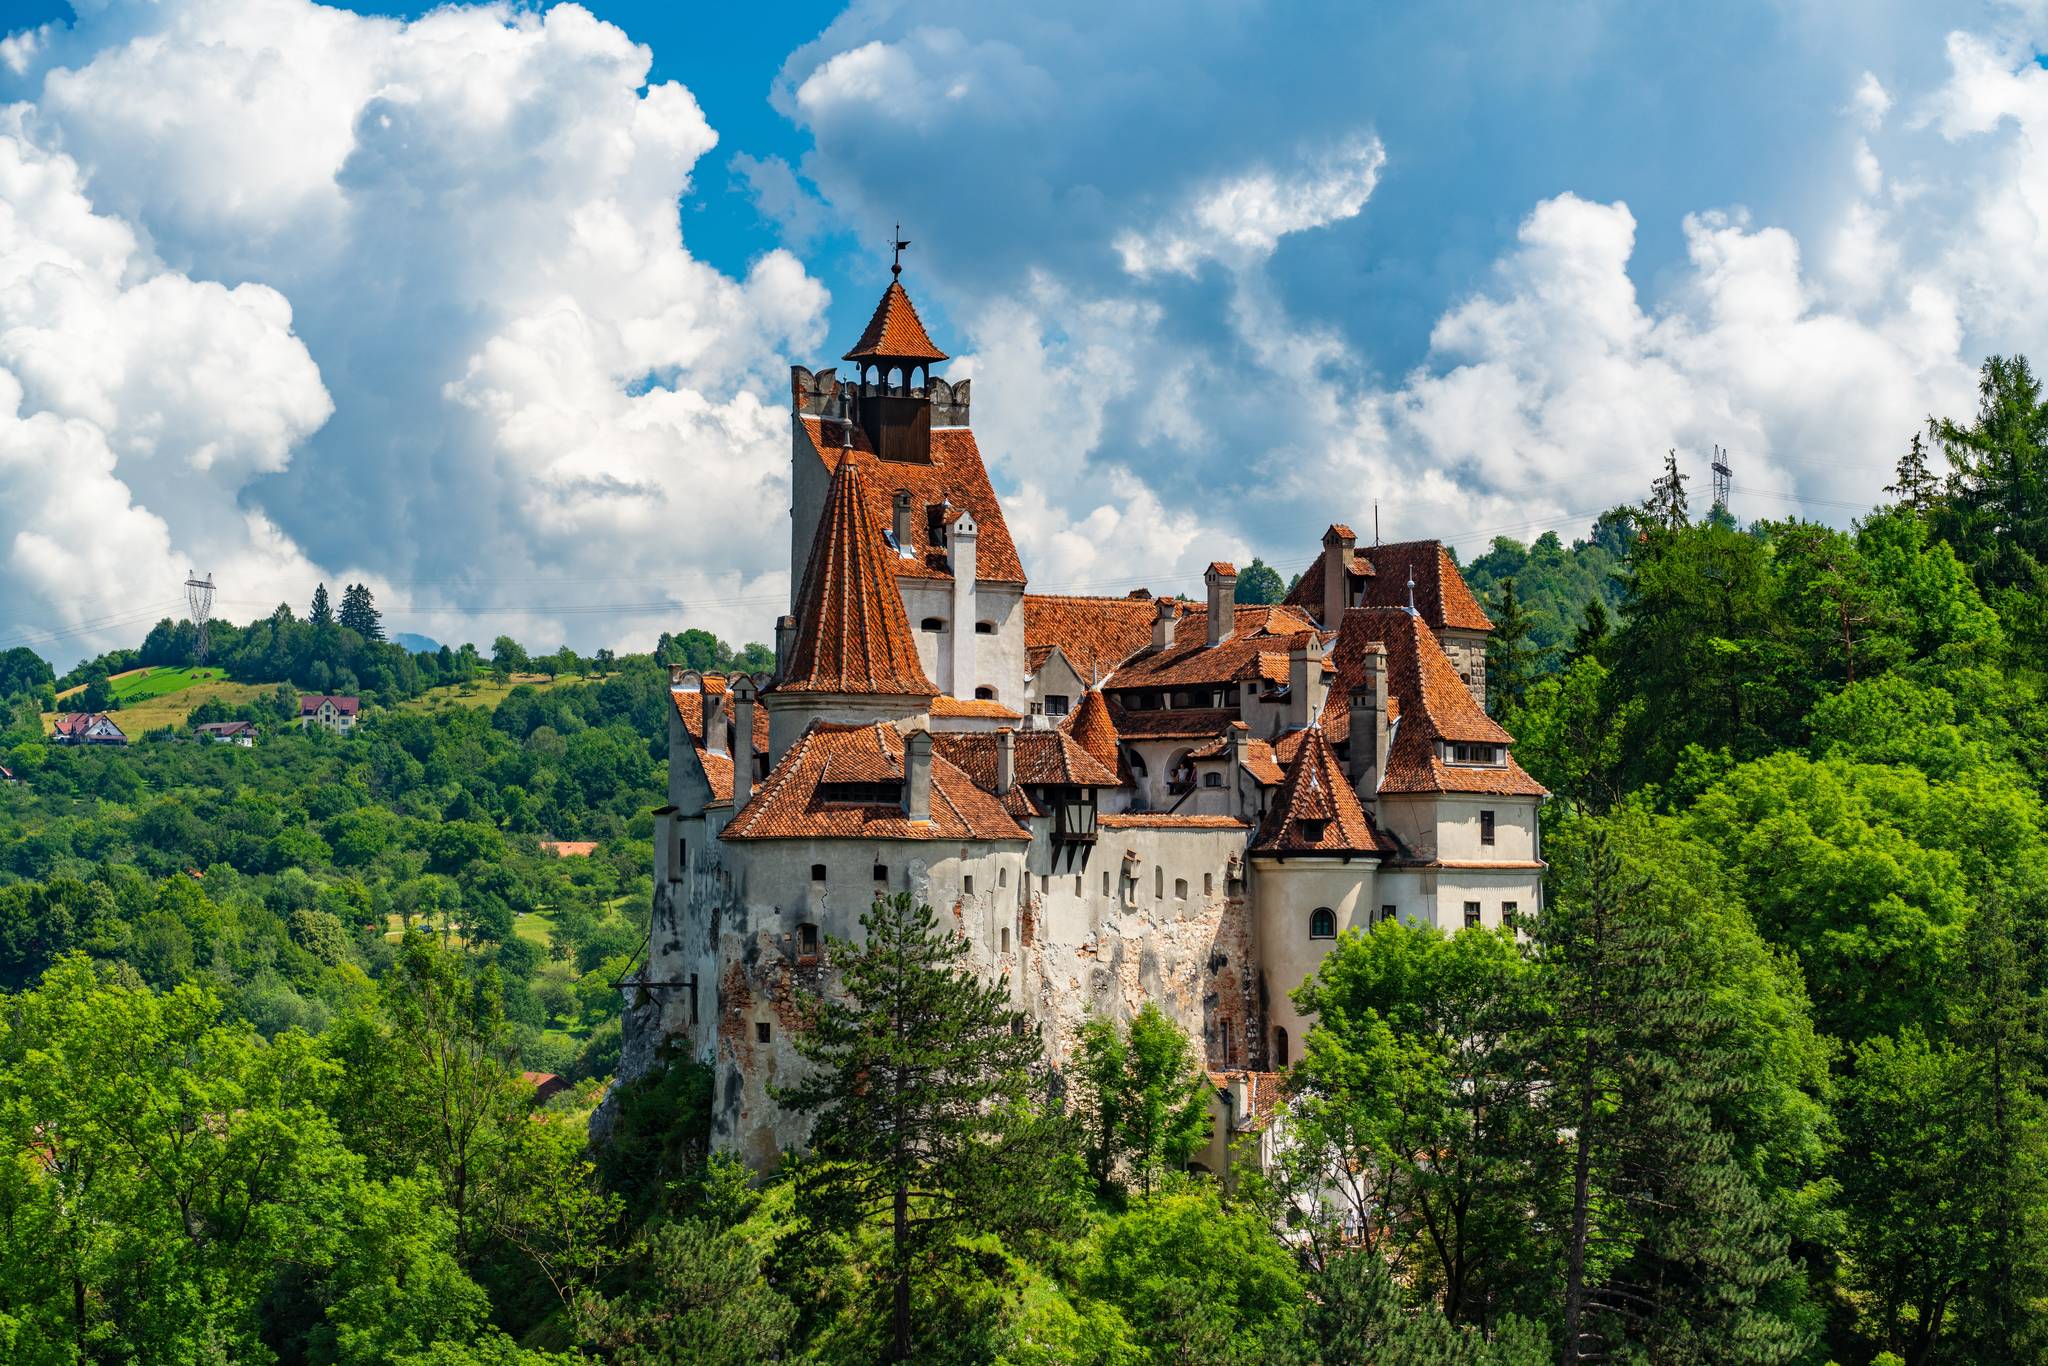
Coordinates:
[1094,729]
[895,333]
[852,635]
[1315,810]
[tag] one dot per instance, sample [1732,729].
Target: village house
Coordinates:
[1115,799]
[242,733]
[87,728]
[337,714]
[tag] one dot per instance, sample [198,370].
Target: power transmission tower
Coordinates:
[1724,478]
[199,595]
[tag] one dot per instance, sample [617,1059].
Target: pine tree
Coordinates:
[359,612]
[1667,1241]
[1510,658]
[321,614]
[1592,631]
[1916,484]
[1666,505]
[922,1079]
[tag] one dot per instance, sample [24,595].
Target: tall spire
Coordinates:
[895,333]
[1315,810]
[852,635]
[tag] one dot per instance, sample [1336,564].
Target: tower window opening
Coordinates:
[985,694]
[760,1031]
[806,942]
[1486,827]
[1180,889]
[932,624]
[1006,939]
[881,872]
[817,872]
[984,628]
[1322,923]
[1279,1048]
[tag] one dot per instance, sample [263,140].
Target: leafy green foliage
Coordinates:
[1143,1101]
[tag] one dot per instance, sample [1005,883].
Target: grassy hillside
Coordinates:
[153,698]
[487,693]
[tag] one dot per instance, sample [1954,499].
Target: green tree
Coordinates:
[321,613]
[922,1081]
[1356,1312]
[1144,1104]
[1665,508]
[507,655]
[1914,484]
[359,612]
[1415,1083]
[1678,1080]
[1511,662]
[1260,584]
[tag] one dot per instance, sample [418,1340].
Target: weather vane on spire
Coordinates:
[896,261]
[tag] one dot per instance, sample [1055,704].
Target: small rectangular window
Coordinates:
[761,1032]
[807,941]
[1006,939]
[1511,914]
[817,872]
[1471,914]
[1387,913]
[1158,883]
[969,881]
[1486,827]
[881,872]
[1105,882]
[1180,889]
[1208,883]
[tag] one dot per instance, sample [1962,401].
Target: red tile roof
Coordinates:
[1259,759]
[1095,634]
[1315,811]
[787,805]
[851,634]
[346,706]
[1167,820]
[74,723]
[895,331]
[955,476]
[1043,758]
[1441,595]
[1190,661]
[983,707]
[1201,722]
[1433,703]
[690,706]
[1095,729]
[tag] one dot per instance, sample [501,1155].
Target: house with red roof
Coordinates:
[1115,800]
[334,713]
[86,728]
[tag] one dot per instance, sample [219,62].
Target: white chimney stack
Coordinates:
[1006,761]
[917,775]
[742,740]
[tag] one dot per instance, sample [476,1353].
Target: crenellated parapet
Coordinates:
[822,393]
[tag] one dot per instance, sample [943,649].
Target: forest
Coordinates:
[1764,1081]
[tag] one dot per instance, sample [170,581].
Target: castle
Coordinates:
[1115,799]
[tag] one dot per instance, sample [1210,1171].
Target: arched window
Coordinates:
[1279,1048]
[985,694]
[1322,923]
[932,624]
[1180,889]
[984,628]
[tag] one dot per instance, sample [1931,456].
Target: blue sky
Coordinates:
[494,307]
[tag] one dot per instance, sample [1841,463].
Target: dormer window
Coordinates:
[1493,756]
[1312,831]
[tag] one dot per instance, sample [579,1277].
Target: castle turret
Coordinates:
[893,361]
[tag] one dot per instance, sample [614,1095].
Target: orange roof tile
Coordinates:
[1200,722]
[955,476]
[895,332]
[1223,569]
[1050,758]
[1167,820]
[1315,811]
[851,634]
[788,803]
[1259,759]
[690,706]
[1095,634]
[1433,703]
[986,708]
[1095,730]
[1190,661]
[1441,594]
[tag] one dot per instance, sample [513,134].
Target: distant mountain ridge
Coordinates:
[412,642]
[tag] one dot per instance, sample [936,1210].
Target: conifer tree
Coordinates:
[922,1079]
[321,614]
[1916,485]
[1510,658]
[1665,508]
[359,612]
[1591,633]
[1668,1244]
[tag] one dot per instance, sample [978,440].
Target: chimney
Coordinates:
[1162,624]
[1006,761]
[902,525]
[1368,743]
[715,719]
[1239,739]
[1221,579]
[1304,682]
[1337,546]
[785,641]
[960,541]
[917,775]
[742,740]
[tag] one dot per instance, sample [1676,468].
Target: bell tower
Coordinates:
[892,374]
